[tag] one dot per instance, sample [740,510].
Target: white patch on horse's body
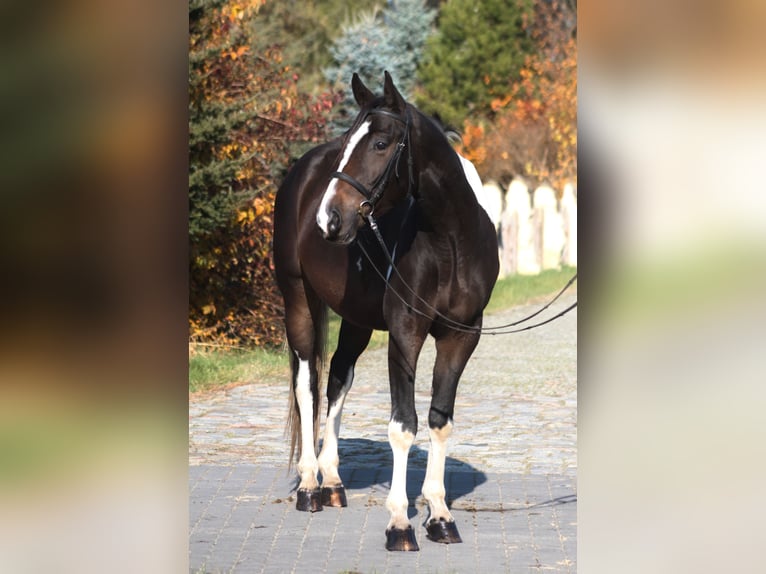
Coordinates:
[471,175]
[433,485]
[477,186]
[396,503]
[307,465]
[323,215]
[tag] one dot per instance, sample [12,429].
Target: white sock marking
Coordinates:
[433,485]
[328,458]
[397,502]
[307,465]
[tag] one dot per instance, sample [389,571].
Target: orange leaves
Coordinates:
[233,54]
[259,208]
[240,10]
[472,146]
[243,94]
[533,132]
[208,309]
[499,103]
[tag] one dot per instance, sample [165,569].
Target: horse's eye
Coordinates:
[380,145]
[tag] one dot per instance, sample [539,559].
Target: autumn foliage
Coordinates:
[247,120]
[531,131]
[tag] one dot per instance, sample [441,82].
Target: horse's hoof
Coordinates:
[443,531]
[334,496]
[309,500]
[401,539]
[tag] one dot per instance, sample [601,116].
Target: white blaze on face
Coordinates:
[323,215]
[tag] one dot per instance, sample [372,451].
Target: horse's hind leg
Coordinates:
[352,341]
[304,322]
[452,352]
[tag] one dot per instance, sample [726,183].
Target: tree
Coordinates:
[391,39]
[480,47]
[305,29]
[245,117]
[533,129]
[216,114]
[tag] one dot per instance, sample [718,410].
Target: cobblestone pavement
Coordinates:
[511,467]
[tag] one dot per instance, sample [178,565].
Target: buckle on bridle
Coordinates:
[366,208]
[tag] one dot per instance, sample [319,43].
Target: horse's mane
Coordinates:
[452,134]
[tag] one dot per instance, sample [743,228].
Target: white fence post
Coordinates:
[538,234]
[518,255]
[569,216]
[550,232]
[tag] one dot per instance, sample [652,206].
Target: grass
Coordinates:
[520,289]
[216,368]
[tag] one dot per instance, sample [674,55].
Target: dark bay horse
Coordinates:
[395,172]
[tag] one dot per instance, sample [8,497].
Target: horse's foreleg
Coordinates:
[452,353]
[399,532]
[351,342]
[402,359]
[441,525]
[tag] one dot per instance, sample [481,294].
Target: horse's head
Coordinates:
[371,173]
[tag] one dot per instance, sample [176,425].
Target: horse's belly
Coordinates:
[354,296]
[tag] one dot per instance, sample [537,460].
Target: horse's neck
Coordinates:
[445,196]
[442,183]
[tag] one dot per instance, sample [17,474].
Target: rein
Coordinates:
[451,323]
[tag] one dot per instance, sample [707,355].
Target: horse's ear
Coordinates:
[362,93]
[393,98]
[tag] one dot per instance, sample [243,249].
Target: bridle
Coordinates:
[375,192]
[367,207]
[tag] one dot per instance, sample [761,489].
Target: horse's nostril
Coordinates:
[333,224]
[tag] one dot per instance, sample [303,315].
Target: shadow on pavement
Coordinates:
[365,463]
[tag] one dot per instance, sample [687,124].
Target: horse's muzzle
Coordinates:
[333,225]
[339,229]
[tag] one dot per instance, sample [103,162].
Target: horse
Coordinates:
[381,226]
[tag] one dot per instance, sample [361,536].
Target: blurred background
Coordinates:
[671,364]
[140,150]
[93,252]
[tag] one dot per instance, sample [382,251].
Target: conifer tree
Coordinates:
[477,52]
[214,187]
[391,39]
[246,119]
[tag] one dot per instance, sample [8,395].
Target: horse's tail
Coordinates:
[293,417]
